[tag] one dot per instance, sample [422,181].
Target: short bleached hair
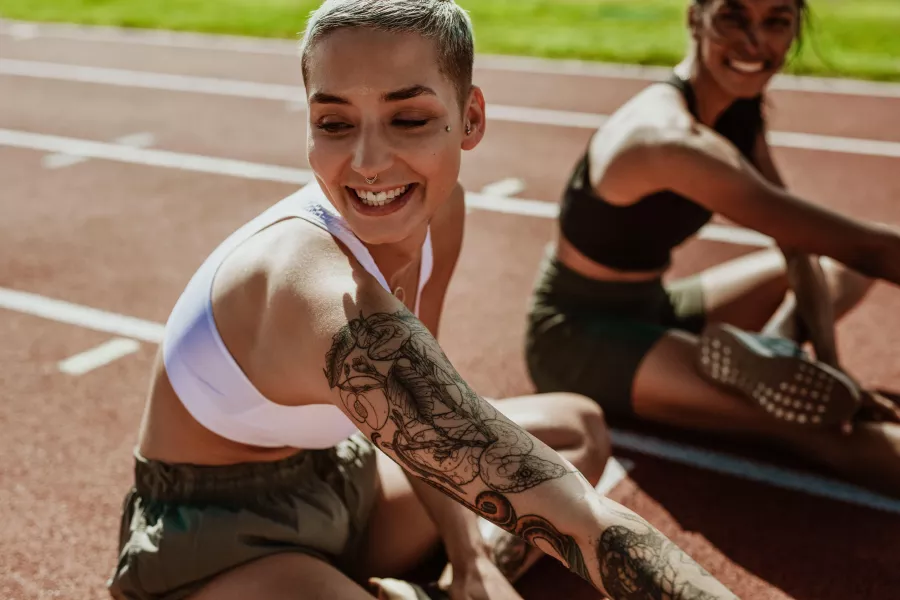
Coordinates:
[442,21]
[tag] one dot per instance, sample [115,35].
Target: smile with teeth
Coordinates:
[380,198]
[746,67]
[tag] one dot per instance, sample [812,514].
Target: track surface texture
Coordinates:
[88,231]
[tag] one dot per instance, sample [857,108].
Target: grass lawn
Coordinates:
[851,38]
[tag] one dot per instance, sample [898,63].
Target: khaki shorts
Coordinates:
[182,525]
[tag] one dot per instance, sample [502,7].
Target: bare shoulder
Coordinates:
[278,301]
[658,112]
[648,140]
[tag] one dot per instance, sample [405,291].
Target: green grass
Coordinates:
[853,38]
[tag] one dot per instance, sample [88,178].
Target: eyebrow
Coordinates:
[412,91]
[323,98]
[406,93]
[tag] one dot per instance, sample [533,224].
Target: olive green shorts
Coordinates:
[589,337]
[182,525]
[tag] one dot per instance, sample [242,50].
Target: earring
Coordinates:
[468,128]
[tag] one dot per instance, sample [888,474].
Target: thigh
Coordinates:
[571,424]
[744,292]
[286,576]
[400,533]
[560,420]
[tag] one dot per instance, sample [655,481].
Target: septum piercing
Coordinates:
[371,181]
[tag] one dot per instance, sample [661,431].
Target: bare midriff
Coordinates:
[572,258]
[170,434]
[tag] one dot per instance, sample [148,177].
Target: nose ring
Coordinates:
[371,181]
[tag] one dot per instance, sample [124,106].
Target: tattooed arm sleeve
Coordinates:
[396,383]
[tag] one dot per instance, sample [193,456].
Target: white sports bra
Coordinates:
[208,380]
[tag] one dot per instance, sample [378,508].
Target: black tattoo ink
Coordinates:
[387,369]
[509,553]
[638,563]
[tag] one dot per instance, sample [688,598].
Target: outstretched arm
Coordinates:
[388,373]
[700,164]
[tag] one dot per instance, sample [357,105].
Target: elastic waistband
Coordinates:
[168,482]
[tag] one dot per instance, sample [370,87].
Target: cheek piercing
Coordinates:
[448,129]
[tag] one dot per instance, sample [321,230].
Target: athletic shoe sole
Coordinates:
[777,376]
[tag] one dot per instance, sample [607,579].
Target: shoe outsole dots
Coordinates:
[785,385]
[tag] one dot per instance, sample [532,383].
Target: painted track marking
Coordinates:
[99,356]
[504,188]
[61,160]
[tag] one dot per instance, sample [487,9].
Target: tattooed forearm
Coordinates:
[509,553]
[388,370]
[638,563]
[394,380]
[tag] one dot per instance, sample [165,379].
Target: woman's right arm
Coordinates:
[386,372]
[699,164]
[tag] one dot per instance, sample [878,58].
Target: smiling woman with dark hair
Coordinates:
[605,323]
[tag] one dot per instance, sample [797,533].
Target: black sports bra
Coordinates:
[641,236]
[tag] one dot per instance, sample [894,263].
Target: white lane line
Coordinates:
[20,31]
[700,458]
[834,144]
[59,161]
[151,80]
[155,158]
[753,470]
[82,316]
[732,234]
[545,116]
[512,206]
[505,187]
[137,140]
[263,172]
[580,68]
[521,64]
[99,356]
[294,97]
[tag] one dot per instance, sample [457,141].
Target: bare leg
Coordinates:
[668,389]
[749,291]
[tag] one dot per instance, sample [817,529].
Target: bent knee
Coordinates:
[588,426]
[846,283]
